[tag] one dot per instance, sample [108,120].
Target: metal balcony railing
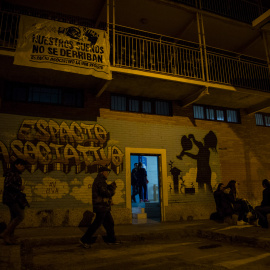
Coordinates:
[157,55]
[9,24]
[241,10]
[151,52]
[237,71]
[136,49]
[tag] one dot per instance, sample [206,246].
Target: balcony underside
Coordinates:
[147,84]
[187,91]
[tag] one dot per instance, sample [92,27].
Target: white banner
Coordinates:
[62,46]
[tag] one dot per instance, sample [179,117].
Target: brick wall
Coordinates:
[60,197]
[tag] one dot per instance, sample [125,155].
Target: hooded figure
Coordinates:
[102,194]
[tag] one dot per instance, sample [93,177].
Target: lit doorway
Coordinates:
[149,206]
[161,194]
[150,164]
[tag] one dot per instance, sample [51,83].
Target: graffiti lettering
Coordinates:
[45,143]
[52,188]
[43,131]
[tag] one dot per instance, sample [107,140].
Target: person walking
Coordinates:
[14,199]
[102,194]
[142,182]
[264,208]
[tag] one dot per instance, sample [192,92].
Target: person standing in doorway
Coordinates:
[142,182]
[102,194]
[134,182]
[14,199]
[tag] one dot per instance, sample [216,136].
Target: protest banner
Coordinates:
[62,46]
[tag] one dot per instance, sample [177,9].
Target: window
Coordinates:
[216,114]
[198,112]
[118,103]
[210,114]
[43,94]
[162,108]
[140,105]
[262,119]
[134,105]
[146,106]
[232,116]
[220,115]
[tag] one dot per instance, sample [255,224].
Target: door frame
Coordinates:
[162,164]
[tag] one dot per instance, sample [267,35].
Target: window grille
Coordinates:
[198,112]
[232,116]
[134,105]
[267,121]
[220,115]
[216,114]
[210,114]
[20,92]
[44,95]
[162,108]
[118,103]
[146,106]
[262,119]
[140,105]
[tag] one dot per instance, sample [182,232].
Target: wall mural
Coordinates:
[203,175]
[55,148]
[50,146]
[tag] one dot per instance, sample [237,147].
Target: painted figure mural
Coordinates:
[203,157]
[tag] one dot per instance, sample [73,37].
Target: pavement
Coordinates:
[14,257]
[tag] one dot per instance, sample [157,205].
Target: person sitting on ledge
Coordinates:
[223,205]
[240,206]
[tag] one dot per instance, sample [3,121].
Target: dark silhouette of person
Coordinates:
[142,182]
[223,206]
[14,199]
[203,167]
[102,194]
[134,182]
[264,208]
[240,206]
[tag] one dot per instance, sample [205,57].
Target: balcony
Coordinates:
[185,61]
[160,54]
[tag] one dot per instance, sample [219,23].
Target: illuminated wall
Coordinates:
[64,156]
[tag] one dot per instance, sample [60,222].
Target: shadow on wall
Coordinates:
[87,219]
[47,218]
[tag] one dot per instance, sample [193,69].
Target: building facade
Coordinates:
[186,84]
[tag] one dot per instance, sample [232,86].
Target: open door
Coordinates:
[157,191]
[145,199]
